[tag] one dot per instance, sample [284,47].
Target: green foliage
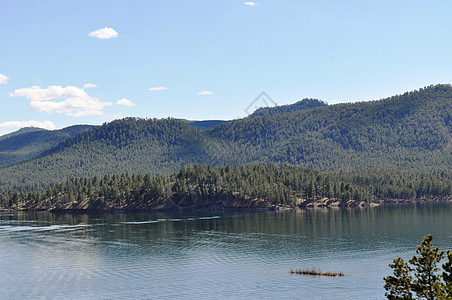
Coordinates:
[206,124]
[427,282]
[447,274]
[200,186]
[399,285]
[419,277]
[196,186]
[20,131]
[28,142]
[409,133]
[300,105]
[128,145]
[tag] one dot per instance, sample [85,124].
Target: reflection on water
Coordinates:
[210,255]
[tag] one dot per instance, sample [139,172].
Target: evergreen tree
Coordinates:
[447,275]
[419,277]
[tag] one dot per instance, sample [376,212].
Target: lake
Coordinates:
[211,255]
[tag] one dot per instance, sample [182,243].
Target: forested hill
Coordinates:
[412,131]
[20,131]
[28,142]
[206,124]
[125,145]
[300,105]
[258,186]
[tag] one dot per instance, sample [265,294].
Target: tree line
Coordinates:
[409,132]
[203,186]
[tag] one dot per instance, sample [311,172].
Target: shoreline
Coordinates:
[255,206]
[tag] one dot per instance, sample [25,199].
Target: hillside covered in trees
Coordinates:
[300,105]
[28,142]
[405,133]
[205,187]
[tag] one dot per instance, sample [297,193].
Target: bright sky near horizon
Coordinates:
[88,62]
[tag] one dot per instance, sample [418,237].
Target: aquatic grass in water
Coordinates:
[112,256]
[314,272]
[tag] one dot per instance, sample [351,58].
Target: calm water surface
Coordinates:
[232,255]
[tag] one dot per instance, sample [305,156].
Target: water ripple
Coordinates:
[174,256]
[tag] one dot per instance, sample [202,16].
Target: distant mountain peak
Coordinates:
[21,131]
[404,132]
[307,103]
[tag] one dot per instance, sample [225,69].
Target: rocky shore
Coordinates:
[225,204]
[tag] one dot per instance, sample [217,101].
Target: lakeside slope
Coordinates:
[201,187]
[408,132]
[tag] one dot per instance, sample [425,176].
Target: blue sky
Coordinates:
[88,62]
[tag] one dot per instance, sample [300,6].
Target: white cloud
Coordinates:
[22,124]
[89,85]
[76,101]
[203,93]
[125,102]
[104,33]
[159,88]
[3,79]
[249,3]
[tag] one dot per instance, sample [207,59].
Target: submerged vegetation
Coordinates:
[249,186]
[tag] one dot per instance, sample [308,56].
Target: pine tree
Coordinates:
[447,275]
[420,276]
[427,283]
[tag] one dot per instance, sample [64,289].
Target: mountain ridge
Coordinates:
[28,142]
[408,131]
[304,104]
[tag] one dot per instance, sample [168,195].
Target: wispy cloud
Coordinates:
[76,101]
[125,102]
[3,79]
[158,88]
[104,33]
[30,123]
[249,3]
[204,93]
[89,85]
